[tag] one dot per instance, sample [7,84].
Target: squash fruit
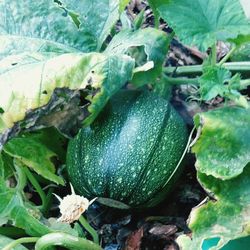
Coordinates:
[130,155]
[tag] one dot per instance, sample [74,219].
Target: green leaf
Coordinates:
[242,53]
[123,4]
[203,22]
[218,81]
[13,208]
[53,25]
[155,44]
[6,166]
[212,82]
[96,18]
[52,139]
[32,153]
[224,145]
[44,27]
[58,226]
[222,220]
[30,87]
[246,7]
[5,241]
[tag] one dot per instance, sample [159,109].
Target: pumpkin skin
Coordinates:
[130,154]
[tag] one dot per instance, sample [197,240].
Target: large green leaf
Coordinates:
[222,220]
[203,22]
[224,145]
[155,44]
[246,7]
[30,151]
[96,18]
[59,26]
[31,86]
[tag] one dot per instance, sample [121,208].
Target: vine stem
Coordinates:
[214,54]
[21,176]
[197,69]
[195,81]
[65,240]
[181,80]
[47,203]
[37,186]
[225,58]
[90,229]
[17,242]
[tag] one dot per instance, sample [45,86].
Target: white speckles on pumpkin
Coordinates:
[135,147]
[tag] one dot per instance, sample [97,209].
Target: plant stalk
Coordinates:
[197,69]
[181,80]
[214,54]
[195,81]
[17,242]
[37,186]
[21,177]
[90,229]
[228,55]
[65,240]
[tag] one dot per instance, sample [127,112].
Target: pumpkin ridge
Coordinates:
[154,148]
[129,106]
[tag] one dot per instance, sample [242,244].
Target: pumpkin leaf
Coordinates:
[218,81]
[246,7]
[6,166]
[95,18]
[242,53]
[223,147]
[51,26]
[31,88]
[123,4]
[12,207]
[212,82]
[34,154]
[218,222]
[203,22]
[155,50]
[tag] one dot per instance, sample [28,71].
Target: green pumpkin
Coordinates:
[130,155]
